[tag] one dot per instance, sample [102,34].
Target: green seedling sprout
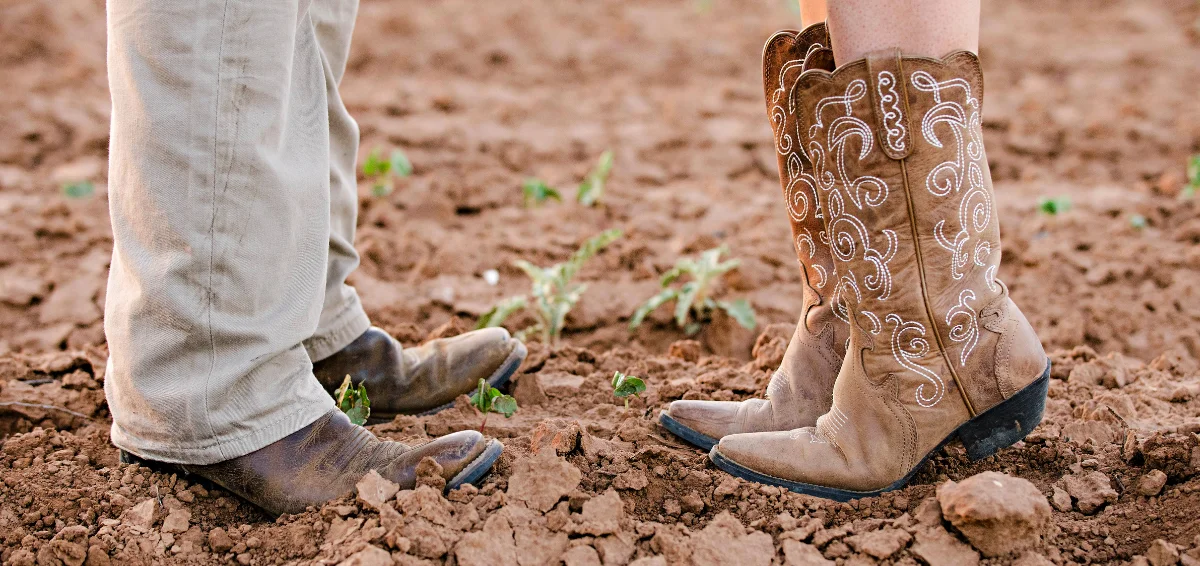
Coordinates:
[626,386]
[353,401]
[1193,175]
[383,173]
[535,192]
[553,294]
[591,190]
[1054,205]
[489,400]
[692,299]
[79,189]
[1138,221]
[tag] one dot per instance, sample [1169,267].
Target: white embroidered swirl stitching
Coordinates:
[893,117]
[917,347]
[964,324]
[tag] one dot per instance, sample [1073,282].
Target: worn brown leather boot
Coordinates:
[422,379]
[937,349]
[802,387]
[324,460]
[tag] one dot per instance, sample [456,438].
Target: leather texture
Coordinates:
[414,380]
[324,461]
[801,388]
[898,165]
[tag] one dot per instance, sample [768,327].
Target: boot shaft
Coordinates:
[785,56]
[895,146]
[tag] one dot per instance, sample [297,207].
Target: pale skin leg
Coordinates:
[929,28]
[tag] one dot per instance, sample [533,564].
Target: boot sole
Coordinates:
[498,379]
[996,428]
[478,467]
[688,434]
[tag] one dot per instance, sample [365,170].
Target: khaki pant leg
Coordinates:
[342,316]
[219,192]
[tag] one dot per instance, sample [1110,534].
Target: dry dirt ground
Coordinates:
[1087,99]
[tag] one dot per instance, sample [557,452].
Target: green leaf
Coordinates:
[79,189]
[675,272]
[1138,221]
[650,305]
[536,192]
[588,250]
[497,315]
[505,405]
[627,385]
[353,401]
[1193,175]
[399,164]
[374,165]
[683,302]
[741,311]
[1054,206]
[591,190]
[381,189]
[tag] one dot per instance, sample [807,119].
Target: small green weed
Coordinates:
[1193,175]
[79,189]
[591,190]
[489,400]
[353,401]
[692,300]
[383,173]
[626,386]
[553,294]
[1054,205]
[535,192]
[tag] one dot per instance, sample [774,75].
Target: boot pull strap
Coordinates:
[885,72]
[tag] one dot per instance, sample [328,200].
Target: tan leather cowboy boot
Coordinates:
[423,379]
[802,387]
[937,349]
[324,460]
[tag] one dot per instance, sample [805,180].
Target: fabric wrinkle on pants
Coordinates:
[232,196]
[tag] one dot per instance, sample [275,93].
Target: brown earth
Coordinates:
[1092,100]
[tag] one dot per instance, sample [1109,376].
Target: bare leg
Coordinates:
[813,11]
[930,28]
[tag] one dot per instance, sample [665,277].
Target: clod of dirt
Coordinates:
[601,515]
[686,350]
[560,435]
[725,541]
[998,513]
[1090,491]
[541,480]
[219,540]
[880,544]
[177,521]
[796,553]
[1152,483]
[1032,559]
[1178,455]
[429,473]
[143,515]
[1162,553]
[581,556]
[369,556]
[374,490]
[1060,499]
[936,547]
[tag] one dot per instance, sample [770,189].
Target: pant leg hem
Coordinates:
[348,325]
[230,446]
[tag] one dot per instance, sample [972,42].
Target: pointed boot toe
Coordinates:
[324,461]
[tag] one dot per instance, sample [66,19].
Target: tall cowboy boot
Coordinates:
[324,460]
[801,388]
[937,349]
[422,379]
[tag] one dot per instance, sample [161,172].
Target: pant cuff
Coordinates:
[349,324]
[308,409]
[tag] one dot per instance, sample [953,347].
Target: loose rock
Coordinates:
[1090,491]
[541,480]
[997,513]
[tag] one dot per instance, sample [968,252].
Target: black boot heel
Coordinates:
[1006,423]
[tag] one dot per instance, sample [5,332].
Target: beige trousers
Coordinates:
[233,198]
